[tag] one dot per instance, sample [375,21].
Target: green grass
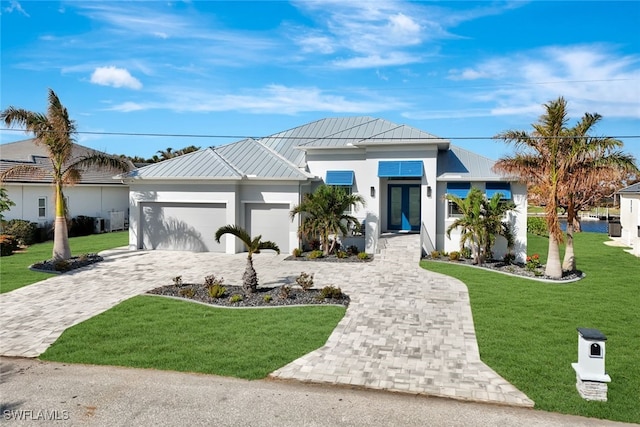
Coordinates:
[526,330]
[160,333]
[14,269]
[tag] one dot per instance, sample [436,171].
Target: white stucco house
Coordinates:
[630,217]
[403,173]
[96,195]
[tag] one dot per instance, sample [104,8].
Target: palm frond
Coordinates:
[236,231]
[101,161]
[269,245]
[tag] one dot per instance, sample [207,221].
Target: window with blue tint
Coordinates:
[400,169]
[504,188]
[342,178]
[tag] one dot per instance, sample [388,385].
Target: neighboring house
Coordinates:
[630,216]
[96,195]
[403,174]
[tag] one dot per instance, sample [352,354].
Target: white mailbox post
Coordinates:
[591,378]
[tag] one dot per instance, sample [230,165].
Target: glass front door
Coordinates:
[404,207]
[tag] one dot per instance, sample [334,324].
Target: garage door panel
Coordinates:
[271,221]
[187,226]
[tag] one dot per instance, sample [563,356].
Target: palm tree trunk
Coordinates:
[569,262]
[61,249]
[250,277]
[553,268]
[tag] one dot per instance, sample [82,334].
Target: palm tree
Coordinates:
[254,246]
[494,211]
[589,162]
[55,131]
[327,213]
[540,163]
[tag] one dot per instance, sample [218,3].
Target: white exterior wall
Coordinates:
[364,163]
[89,200]
[630,220]
[517,218]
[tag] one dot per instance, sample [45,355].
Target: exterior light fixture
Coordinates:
[428,191]
[373,191]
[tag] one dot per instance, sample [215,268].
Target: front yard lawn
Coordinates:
[14,269]
[161,333]
[526,330]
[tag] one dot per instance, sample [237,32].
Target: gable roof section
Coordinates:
[201,164]
[458,164]
[27,152]
[632,189]
[245,159]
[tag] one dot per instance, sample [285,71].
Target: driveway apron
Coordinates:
[406,329]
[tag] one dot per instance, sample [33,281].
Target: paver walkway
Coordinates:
[407,329]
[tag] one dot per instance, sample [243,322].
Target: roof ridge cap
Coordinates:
[234,168]
[281,157]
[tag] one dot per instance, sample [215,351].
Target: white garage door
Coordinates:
[271,220]
[182,226]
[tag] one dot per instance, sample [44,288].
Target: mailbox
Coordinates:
[591,377]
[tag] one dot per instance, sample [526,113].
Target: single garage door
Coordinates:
[271,221]
[182,226]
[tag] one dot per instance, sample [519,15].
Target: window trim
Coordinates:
[42,207]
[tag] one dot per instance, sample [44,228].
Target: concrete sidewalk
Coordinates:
[407,329]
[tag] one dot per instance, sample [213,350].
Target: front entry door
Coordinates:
[404,207]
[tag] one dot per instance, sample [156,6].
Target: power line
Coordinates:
[323,138]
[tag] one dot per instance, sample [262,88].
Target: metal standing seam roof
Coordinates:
[27,152]
[632,189]
[458,164]
[201,164]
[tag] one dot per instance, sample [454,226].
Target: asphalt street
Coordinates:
[33,392]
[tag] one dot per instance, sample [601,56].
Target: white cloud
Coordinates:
[115,77]
[15,6]
[271,99]
[373,61]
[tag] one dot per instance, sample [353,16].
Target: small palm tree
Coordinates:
[254,246]
[494,210]
[327,213]
[55,131]
[469,223]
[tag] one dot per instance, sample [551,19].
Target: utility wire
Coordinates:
[324,138]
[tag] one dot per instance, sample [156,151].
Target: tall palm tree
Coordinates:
[327,213]
[589,161]
[54,130]
[540,162]
[254,246]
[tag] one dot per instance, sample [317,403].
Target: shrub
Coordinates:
[62,265]
[267,298]
[353,250]
[315,254]
[465,253]
[81,226]
[216,291]
[363,256]
[435,254]
[533,262]
[305,281]
[187,292]
[25,232]
[331,292]
[8,244]
[314,244]
[342,254]
[285,291]
[297,252]
[177,280]
[454,256]
[235,298]
[211,280]
[509,259]
[537,225]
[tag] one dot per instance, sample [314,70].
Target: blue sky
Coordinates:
[455,69]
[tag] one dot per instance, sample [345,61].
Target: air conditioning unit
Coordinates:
[98,226]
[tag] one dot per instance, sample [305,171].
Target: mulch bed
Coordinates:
[58,267]
[296,296]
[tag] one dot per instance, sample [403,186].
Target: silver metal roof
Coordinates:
[632,189]
[458,164]
[201,164]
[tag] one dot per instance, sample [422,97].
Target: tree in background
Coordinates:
[326,213]
[5,202]
[55,131]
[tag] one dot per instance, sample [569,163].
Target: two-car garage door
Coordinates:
[182,226]
[192,226]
